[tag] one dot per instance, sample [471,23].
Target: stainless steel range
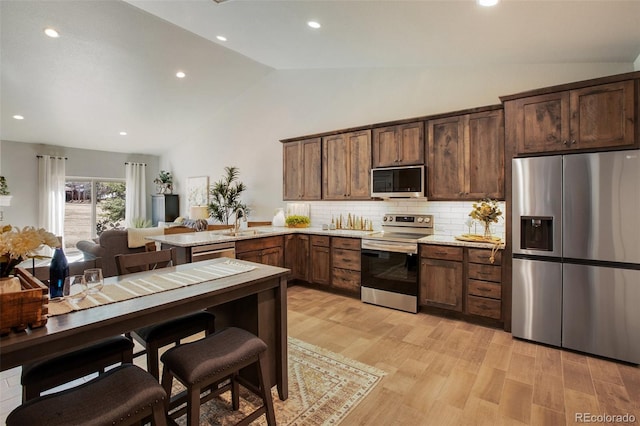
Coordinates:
[390,261]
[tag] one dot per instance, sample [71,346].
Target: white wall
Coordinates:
[20,167]
[295,103]
[636,64]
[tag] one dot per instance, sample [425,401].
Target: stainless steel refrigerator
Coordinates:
[576,252]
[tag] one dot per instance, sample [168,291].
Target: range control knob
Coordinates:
[384,219]
[390,218]
[427,219]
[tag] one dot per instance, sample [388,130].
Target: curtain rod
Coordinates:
[129,162]
[53,156]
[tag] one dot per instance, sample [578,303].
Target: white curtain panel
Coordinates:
[136,193]
[51,181]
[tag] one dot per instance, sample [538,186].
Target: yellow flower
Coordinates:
[486,211]
[17,244]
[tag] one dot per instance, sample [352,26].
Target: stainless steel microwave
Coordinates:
[398,182]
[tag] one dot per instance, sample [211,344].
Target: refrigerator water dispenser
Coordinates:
[536,233]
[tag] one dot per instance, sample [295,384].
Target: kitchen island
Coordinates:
[255,300]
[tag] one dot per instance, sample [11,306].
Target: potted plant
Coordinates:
[225,196]
[164,182]
[297,221]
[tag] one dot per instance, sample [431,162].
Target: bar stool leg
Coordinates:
[235,392]
[265,387]
[193,406]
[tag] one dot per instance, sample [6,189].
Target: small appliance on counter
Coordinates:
[576,252]
[390,262]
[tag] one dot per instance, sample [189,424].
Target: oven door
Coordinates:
[390,279]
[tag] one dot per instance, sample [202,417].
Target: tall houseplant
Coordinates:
[225,196]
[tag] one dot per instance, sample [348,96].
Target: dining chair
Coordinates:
[155,336]
[49,373]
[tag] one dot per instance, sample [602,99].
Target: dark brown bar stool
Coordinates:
[204,364]
[40,376]
[155,336]
[122,396]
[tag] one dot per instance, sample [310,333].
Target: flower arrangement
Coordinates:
[486,211]
[164,182]
[17,244]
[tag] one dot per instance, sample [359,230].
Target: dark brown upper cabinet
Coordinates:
[302,170]
[589,118]
[466,156]
[346,166]
[399,145]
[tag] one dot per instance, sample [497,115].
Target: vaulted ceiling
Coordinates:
[113,67]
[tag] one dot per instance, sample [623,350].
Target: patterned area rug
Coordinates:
[323,388]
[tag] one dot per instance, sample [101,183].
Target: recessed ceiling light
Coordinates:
[221,38]
[180,74]
[18,117]
[314,24]
[488,3]
[51,32]
[123,133]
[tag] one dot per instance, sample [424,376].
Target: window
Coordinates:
[92,206]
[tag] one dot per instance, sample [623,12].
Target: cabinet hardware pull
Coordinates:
[573,141]
[565,143]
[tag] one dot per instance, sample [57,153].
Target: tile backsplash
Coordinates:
[449,216]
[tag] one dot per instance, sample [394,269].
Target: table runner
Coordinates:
[162,281]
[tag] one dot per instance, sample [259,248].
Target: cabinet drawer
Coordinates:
[484,289]
[346,259]
[258,243]
[484,307]
[482,256]
[441,252]
[346,243]
[346,279]
[485,272]
[317,240]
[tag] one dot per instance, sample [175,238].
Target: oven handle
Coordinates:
[390,246]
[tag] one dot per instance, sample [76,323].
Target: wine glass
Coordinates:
[94,280]
[75,288]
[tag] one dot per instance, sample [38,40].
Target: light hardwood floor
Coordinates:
[448,372]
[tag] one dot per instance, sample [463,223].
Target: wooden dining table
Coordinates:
[255,300]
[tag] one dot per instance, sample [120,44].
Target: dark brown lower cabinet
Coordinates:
[320,269]
[296,256]
[345,264]
[441,269]
[267,250]
[484,283]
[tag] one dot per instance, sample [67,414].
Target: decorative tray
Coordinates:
[475,238]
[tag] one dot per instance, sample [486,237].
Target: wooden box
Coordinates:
[26,308]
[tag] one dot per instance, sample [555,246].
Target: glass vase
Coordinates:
[487,230]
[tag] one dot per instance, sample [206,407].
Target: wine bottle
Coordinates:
[58,271]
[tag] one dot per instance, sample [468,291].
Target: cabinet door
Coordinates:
[411,143]
[291,255]
[384,147]
[293,171]
[321,265]
[542,123]
[484,165]
[603,116]
[250,256]
[446,158]
[335,167]
[312,169]
[441,284]
[273,256]
[359,166]
[302,170]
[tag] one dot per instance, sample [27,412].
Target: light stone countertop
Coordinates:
[191,239]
